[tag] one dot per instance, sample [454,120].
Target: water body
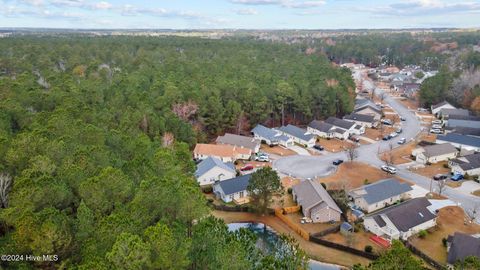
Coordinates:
[267,237]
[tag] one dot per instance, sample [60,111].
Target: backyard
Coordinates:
[277,150]
[433,169]
[334,145]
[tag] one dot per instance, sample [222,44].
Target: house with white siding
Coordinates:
[463,142]
[233,190]
[298,135]
[213,169]
[442,105]
[469,164]
[435,153]
[350,126]
[224,152]
[364,120]
[271,136]
[239,141]
[401,221]
[327,131]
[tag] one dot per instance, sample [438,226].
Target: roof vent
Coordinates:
[421,214]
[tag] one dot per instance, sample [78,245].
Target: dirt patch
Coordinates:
[428,137]
[476,192]
[450,219]
[357,240]
[409,104]
[334,145]
[352,175]
[314,251]
[255,164]
[402,154]
[454,184]
[377,134]
[277,150]
[431,170]
[310,227]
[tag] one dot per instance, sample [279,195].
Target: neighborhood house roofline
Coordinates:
[234,185]
[438,105]
[381,190]
[221,150]
[207,164]
[340,123]
[439,149]
[310,194]
[233,139]
[297,132]
[360,117]
[460,139]
[269,134]
[461,246]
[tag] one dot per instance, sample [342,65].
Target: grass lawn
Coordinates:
[334,145]
[352,175]
[450,219]
[314,251]
[431,170]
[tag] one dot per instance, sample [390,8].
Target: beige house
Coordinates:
[469,164]
[316,202]
[224,152]
[380,194]
[435,153]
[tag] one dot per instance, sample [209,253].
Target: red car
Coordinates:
[247,167]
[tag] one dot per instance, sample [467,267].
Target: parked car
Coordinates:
[386,137]
[306,220]
[337,162]
[403,118]
[456,177]
[440,176]
[437,122]
[436,131]
[393,135]
[387,122]
[389,169]
[399,130]
[402,141]
[262,158]
[318,147]
[422,110]
[247,167]
[354,138]
[436,126]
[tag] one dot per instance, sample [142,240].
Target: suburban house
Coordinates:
[234,189]
[380,194]
[298,135]
[213,169]
[466,142]
[442,105]
[463,121]
[435,153]
[401,221]
[316,202]
[326,130]
[224,152]
[271,137]
[240,141]
[460,246]
[469,164]
[464,131]
[364,120]
[410,89]
[350,126]
[446,114]
[366,106]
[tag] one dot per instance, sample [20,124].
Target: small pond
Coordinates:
[267,236]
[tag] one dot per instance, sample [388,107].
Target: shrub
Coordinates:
[324,185]
[422,234]
[366,182]
[207,189]
[444,241]
[368,249]
[445,166]
[289,190]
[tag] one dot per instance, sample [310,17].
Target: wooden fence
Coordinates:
[291,209]
[327,231]
[292,225]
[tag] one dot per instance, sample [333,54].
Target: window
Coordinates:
[231,197]
[241,194]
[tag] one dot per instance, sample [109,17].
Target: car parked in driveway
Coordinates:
[456,177]
[389,169]
[354,138]
[386,137]
[437,122]
[337,162]
[403,118]
[440,176]
[262,158]
[318,147]
[436,131]
[387,122]
[393,135]
[402,141]
[247,167]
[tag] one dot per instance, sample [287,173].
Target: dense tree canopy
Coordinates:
[96,134]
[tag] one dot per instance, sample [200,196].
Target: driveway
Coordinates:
[468,187]
[299,150]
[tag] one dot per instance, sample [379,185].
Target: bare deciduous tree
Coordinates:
[387,156]
[473,212]
[441,185]
[168,139]
[5,187]
[351,151]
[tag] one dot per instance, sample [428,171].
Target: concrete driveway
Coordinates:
[299,150]
[468,187]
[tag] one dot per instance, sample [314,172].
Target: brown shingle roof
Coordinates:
[220,150]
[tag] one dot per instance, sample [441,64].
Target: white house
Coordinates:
[401,221]
[327,131]
[271,137]
[435,153]
[380,194]
[234,189]
[469,164]
[464,142]
[213,169]
[298,135]
[442,105]
[350,126]
[364,120]
[239,141]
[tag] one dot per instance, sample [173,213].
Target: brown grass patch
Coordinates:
[431,170]
[450,219]
[377,134]
[454,184]
[277,150]
[402,154]
[476,192]
[334,145]
[353,175]
[410,104]
[359,240]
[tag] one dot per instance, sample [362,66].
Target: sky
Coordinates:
[240,14]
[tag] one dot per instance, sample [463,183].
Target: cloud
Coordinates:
[102,5]
[424,7]
[282,3]
[33,2]
[246,11]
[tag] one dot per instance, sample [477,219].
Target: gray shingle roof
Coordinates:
[440,105]
[461,246]
[360,117]
[439,149]
[473,162]
[381,190]
[408,214]
[454,112]
[235,185]
[464,130]
[237,140]
[269,134]
[320,126]
[339,122]
[297,132]
[211,162]
[461,139]
[311,193]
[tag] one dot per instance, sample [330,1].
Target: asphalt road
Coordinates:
[305,167]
